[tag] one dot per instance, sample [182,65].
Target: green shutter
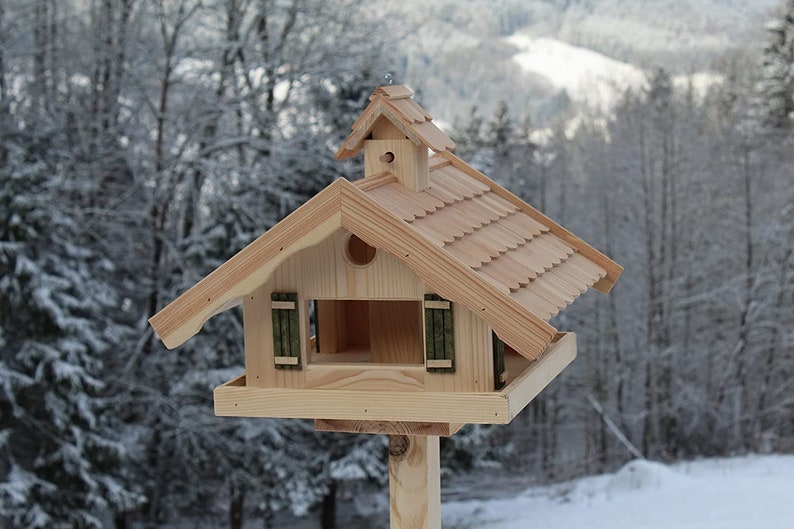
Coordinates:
[286,330]
[439,335]
[499,371]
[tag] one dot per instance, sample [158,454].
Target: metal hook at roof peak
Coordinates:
[388,78]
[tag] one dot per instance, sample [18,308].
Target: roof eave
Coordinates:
[224,287]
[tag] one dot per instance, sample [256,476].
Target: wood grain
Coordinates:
[249,268]
[375,403]
[388,428]
[366,377]
[414,482]
[523,330]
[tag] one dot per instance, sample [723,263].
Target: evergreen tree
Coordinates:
[61,454]
[776,86]
[470,139]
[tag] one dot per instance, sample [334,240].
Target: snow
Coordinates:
[587,76]
[742,492]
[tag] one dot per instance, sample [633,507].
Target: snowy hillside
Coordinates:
[476,52]
[588,77]
[745,492]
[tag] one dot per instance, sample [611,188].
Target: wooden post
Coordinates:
[414,482]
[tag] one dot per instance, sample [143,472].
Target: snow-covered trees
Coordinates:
[143,143]
[63,461]
[776,85]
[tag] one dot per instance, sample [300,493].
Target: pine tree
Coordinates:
[60,452]
[776,86]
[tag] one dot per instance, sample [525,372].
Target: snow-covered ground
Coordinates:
[744,492]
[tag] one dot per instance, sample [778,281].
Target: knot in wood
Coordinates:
[398,446]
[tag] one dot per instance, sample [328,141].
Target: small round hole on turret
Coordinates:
[387,157]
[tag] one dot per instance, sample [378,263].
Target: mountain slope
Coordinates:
[477,52]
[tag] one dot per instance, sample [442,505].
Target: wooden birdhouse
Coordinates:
[410,302]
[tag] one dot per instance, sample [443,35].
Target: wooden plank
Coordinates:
[385,130]
[257,337]
[396,332]
[375,181]
[522,225]
[437,162]
[442,180]
[392,92]
[469,254]
[540,373]
[439,364]
[410,113]
[235,399]
[432,136]
[249,268]
[612,269]
[286,360]
[331,330]
[323,272]
[535,303]
[432,304]
[366,377]
[441,193]
[463,180]
[414,482]
[441,429]
[287,305]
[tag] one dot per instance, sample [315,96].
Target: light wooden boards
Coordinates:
[248,269]
[414,482]
[238,400]
[396,105]
[387,428]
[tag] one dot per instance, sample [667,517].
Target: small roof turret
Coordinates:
[395,104]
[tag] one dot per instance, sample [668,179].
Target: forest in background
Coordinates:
[144,143]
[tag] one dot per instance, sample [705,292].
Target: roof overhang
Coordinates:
[344,205]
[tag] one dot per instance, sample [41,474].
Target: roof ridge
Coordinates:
[392,92]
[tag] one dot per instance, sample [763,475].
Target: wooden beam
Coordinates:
[235,399]
[527,385]
[389,428]
[244,272]
[414,482]
[386,377]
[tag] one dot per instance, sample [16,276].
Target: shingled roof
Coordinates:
[396,104]
[470,240]
[505,241]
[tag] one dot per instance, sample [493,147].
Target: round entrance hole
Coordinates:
[358,252]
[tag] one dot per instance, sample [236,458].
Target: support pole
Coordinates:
[414,482]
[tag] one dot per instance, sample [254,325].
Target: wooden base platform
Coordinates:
[235,399]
